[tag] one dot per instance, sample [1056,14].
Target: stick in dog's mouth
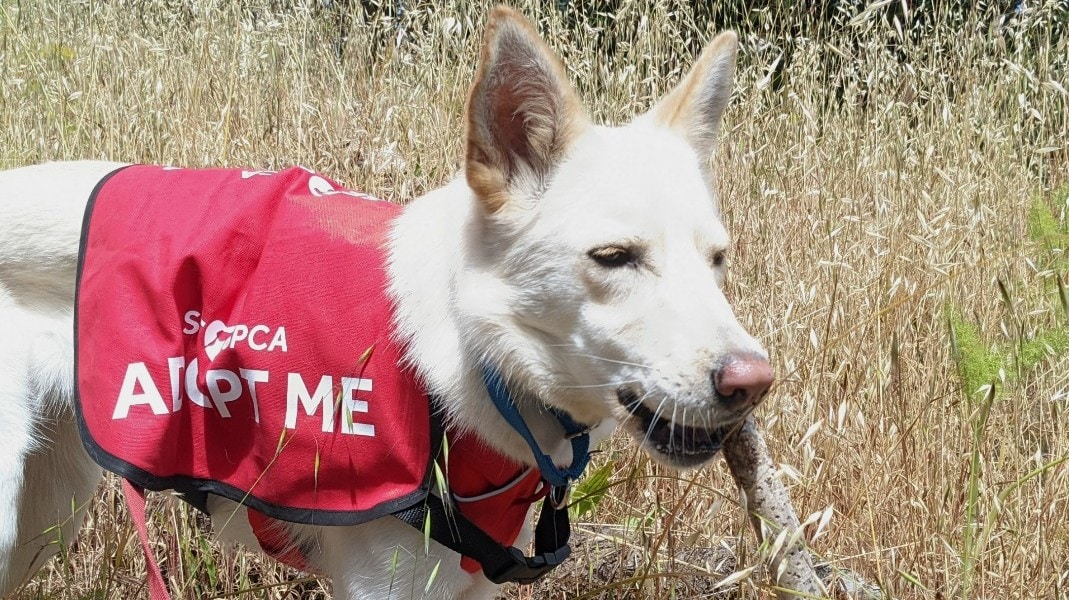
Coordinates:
[683,445]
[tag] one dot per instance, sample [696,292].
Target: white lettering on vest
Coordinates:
[296,392]
[349,385]
[195,395]
[224,387]
[192,322]
[252,337]
[240,333]
[279,341]
[213,377]
[254,376]
[175,364]
[137,375]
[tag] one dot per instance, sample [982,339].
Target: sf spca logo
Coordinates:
[219,336]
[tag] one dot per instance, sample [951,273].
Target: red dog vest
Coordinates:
[233,337]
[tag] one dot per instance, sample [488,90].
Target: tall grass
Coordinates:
[879,172]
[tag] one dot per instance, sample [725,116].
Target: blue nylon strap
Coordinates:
[578,434]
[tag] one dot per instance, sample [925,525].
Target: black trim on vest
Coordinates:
[195,490]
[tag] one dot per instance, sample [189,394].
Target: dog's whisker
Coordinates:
[676,422]
[611,360]
[596,385]
[656,418]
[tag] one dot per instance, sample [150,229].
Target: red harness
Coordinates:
[233,337]
[493,492]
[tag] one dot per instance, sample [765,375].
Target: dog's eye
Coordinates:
[720,259]
[613,256]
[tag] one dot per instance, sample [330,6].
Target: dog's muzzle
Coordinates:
[682,445]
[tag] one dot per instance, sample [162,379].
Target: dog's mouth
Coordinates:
[682,446]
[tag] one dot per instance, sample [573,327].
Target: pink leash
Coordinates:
[135,503]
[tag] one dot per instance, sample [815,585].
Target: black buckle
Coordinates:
[528,569]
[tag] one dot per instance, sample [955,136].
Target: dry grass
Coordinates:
[879,190]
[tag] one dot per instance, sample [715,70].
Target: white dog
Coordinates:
[583,263]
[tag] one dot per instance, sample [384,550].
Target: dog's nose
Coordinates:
[742,379]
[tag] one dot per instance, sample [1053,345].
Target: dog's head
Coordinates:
[600,258]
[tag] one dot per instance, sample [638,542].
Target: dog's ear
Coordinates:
[523,114]
[695,106]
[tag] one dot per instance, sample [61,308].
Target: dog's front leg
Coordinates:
[387,559]
[381,560]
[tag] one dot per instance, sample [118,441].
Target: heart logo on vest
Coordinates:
[216,337]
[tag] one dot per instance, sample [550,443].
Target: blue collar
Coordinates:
[577,433]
